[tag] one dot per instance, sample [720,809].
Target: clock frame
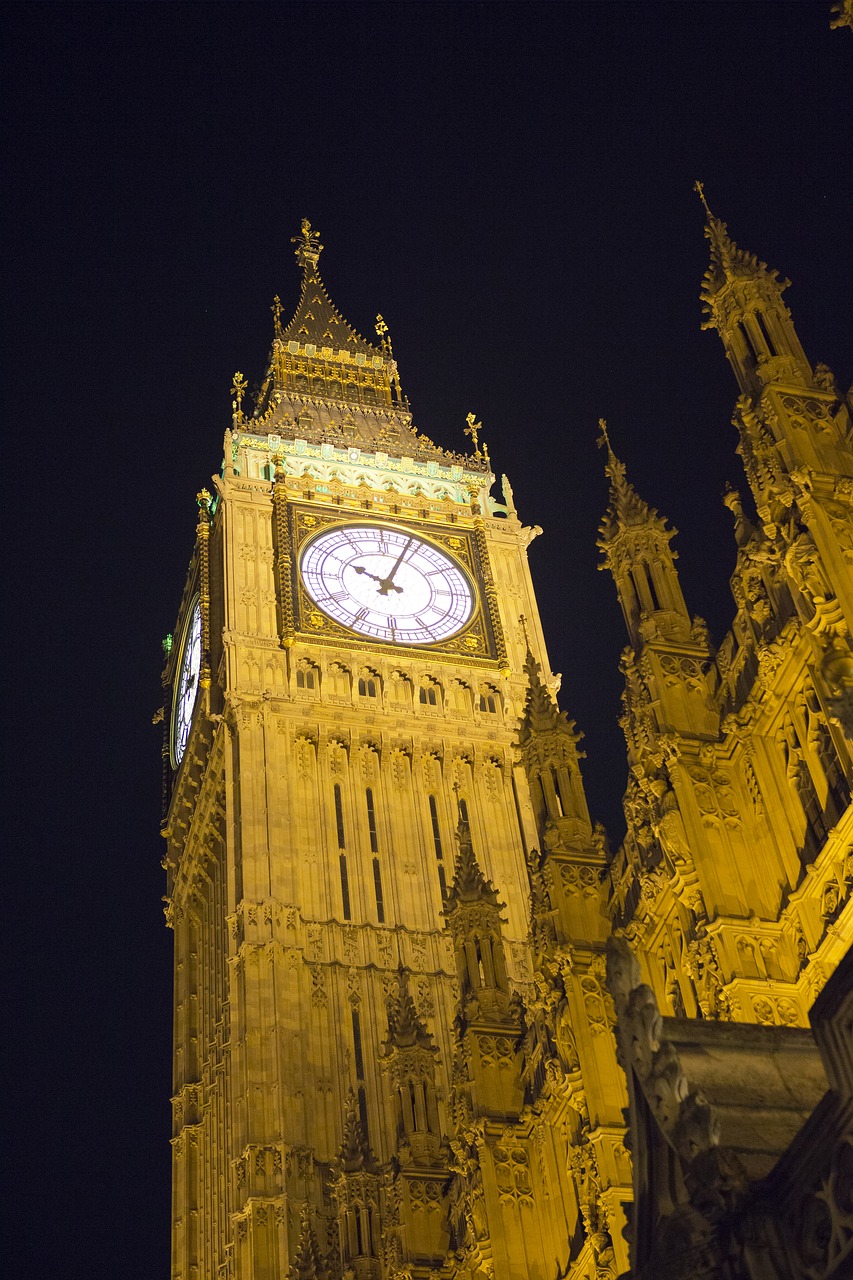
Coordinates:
[474,639]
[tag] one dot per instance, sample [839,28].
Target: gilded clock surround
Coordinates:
[474,638]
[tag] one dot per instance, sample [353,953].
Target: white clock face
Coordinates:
[387,583]
[186,688]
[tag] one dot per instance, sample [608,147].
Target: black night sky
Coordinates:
[511,186]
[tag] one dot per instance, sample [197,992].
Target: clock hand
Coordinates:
[384,581]
[387,584]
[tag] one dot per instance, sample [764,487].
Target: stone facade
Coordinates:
[394,1037]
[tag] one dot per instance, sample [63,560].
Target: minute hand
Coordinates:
[387,584]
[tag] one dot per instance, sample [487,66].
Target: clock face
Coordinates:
[387,583]
[186,687]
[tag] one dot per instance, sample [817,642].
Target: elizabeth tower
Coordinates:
[362,760]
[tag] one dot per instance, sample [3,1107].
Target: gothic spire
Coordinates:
[405,1026]
[742,300]
[635,542]
[541,713]
[728,263]
[626,508]
[307,1263]
[355,1153]
[469,884]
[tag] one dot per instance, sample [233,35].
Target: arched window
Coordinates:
[367,687]
[747,337]
[428,695]
[489,703]
[765,333]
[305,678]
[436,839]
[371,820]
[377,886]
[342,857]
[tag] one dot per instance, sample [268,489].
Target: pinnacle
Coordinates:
[355,1153]
[541,713]
[307,1264]
[626,507]
[405,1026]
[469,884]
[728,261]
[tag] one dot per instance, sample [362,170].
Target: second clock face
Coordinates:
[387,583]
[186,687]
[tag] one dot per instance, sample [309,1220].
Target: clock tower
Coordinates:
[362,762]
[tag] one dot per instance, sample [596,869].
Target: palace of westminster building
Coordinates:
[426,1023]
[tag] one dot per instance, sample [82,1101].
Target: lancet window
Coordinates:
[358,1063]
[800,778]
[342,856]
[436,839]
[763,330]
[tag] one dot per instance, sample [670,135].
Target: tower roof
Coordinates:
[327,384]
[317,320]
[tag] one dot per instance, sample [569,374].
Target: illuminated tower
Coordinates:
[733,882]
[354,988]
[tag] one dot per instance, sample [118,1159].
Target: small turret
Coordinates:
[356,1186]
[409,1058]
[548,741]
[743,302]
[635,542]
[473,914]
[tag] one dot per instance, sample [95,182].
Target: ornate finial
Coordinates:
[383,336]
[308,247]
[204,499]
[473,430]
[603,442]
[238,390]
[276,315]
[699,188]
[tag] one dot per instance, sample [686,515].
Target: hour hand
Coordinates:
[385,584]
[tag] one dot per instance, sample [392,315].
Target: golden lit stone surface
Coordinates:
[394,1049]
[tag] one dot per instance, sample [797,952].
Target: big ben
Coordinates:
[365,771]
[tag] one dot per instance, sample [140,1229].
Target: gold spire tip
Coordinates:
[308,247]
[699,188]
[603,439]
[473,430]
